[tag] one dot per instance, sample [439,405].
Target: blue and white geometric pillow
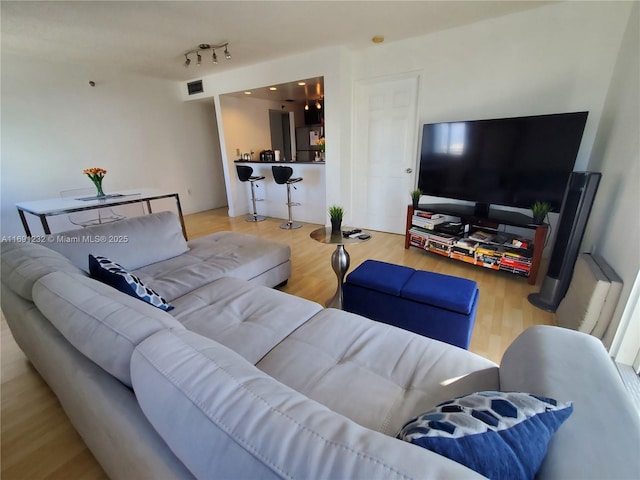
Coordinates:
[502,435]
[106,271]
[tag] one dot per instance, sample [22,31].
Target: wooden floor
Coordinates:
[38,442]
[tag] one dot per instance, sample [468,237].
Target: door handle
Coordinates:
[409,170]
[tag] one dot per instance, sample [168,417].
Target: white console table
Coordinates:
[61,206]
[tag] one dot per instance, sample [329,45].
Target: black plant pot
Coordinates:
[415,202]
[539,219]
[336,225]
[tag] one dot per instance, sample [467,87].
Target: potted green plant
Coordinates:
[415,197]
[335,214]
[540,210]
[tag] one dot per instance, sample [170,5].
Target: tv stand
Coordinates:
[469,216]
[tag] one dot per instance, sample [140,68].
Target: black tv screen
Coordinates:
[509,161]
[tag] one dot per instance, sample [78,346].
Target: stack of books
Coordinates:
[418,237]
[427,220]
[482,236]
[489,256]
[516,261]
[441,243]
[465,250]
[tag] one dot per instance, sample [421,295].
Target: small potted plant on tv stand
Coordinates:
[540,211]
[415,197]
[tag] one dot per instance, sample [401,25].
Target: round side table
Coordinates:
[339,259]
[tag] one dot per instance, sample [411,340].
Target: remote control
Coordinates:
[364,236]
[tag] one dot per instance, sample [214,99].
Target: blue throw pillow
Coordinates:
[106,271]
[501,435]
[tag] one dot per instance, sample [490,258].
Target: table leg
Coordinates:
[25,224]
[184,228]
[45,224]
[340,263]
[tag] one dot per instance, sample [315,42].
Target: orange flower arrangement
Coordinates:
[96,174]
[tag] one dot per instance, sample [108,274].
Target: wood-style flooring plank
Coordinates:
[39,442]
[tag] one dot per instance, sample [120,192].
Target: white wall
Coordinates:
[54,125]
[614,226]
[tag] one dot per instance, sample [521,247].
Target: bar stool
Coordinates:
[282,175]
[244,174]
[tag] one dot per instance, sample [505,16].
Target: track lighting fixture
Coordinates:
[318,105]
[205,47]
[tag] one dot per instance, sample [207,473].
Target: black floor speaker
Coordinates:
[574,214]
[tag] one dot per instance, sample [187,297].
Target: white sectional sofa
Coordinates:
[240,380]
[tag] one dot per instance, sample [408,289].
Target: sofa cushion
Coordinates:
[227,419]
[132,242]
[375,374]
[221,254]
[23,263]
[502,435]
[102,323]
[249,319]
[106,271]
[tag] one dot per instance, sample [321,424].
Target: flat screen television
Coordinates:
[508,161]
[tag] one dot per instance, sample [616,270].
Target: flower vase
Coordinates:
[98,183]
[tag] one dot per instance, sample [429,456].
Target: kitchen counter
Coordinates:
[278,163]
[310,192]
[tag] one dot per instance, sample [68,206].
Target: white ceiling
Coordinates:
[151,37]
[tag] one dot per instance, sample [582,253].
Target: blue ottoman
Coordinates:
[431,304]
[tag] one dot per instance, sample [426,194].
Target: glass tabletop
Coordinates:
[324,235]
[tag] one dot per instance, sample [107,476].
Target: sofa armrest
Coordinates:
[601,438]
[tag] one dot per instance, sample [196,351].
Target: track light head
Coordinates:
[187,61]
[226,53]
[214,57]
[199,58]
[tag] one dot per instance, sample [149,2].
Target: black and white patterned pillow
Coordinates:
[106,271]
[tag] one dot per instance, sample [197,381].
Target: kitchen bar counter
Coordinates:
[310,192]
[279,163]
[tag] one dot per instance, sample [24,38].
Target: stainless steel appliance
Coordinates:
[305,142]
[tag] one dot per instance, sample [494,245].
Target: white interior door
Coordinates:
[385,151]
